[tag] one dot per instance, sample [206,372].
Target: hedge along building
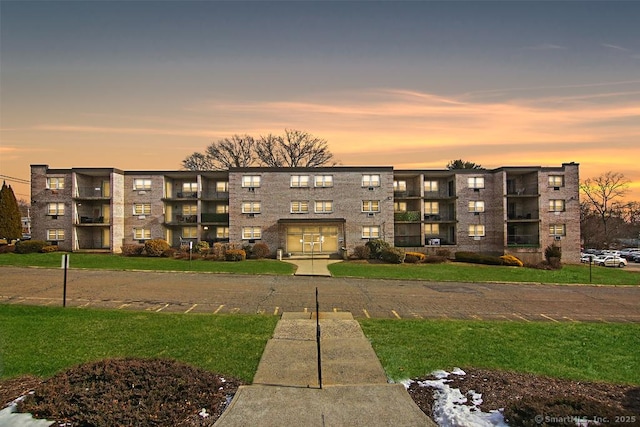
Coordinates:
[309,211]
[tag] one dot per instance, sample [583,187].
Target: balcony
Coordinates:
[186,219]
[215,195]
[410,241]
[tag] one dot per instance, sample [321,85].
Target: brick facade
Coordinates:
[509,210]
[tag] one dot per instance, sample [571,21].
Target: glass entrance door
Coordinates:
[312,243]
[308,239]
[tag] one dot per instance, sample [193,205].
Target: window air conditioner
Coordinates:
[370,188]
[252,189]
[251,215]
[557,237]
[371,214]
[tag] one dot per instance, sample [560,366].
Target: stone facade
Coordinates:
[305,211]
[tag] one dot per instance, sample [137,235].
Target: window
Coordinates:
[189,232]
[142,208]
[251,181]
[556,180]
[222,186]
[324,181]
[141,233]
[55,209]
[476,181]
[399,206]
[300,206]
[476,206]
[55,234]
[222,232]
[189,209]
[371,206]
[324,206]
[251,233]
[141,184]
[250,207]
[190,187]
[370,232]
[432,229]
[557,230]
[476,230]
[54,183]
[556,205]
[222,209]
[431,186]
[299,180]
[431,208]
[371,180]
[399,185]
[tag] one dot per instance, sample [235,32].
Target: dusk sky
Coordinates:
[141,85]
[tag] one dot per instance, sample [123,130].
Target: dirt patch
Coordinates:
[153,392]
[138,392]
[533,400]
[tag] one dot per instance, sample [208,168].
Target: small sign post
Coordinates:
[65,266]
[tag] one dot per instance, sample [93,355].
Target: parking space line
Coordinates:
[235,310]
[550,318]
[124,305]
[416,315]
[520,317]
[275,312]
[218,309]
[191,308]
[476,317]
[162,308]
[569,319]
[366,313]
[85,305]
[395,313]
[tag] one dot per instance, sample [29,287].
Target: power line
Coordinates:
[18,180]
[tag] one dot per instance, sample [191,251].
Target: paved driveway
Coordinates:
[272,295]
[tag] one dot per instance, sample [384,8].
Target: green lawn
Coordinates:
[453,271]
[569,274]
[118,262]
[579,351]
[46,340]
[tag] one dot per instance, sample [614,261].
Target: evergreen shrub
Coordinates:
[260,250]
[133,249]
[377,246]
[30,246]
[362,252]
[393,255]
[155,247]
[235,255]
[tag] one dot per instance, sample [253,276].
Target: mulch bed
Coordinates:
[525,396]
[126,392]
[157,392]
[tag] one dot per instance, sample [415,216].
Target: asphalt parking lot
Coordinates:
[364,298]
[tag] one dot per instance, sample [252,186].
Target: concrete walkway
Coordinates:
[312,267]
[354,392]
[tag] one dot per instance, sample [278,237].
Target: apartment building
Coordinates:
[312,211]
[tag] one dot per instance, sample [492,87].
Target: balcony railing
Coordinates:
[215,217]
[90,193]
[215,195]
[90,220]
[522,240]
[407,241]
[408,216]
[523,216]
[188,219]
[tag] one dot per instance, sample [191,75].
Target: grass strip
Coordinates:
[119,262]
[578,351]
[44,340]
[462,272]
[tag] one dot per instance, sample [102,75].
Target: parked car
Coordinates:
[636,258]
[587,258]
[610,261]
[629,253]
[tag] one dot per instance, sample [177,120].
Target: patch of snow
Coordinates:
[9,416]
[452,409]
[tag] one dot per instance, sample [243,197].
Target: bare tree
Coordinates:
[237,151]
[602,195]
[294,149]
